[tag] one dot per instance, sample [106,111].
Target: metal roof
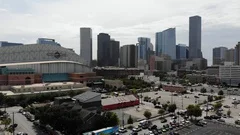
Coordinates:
[40,62]
[86,96]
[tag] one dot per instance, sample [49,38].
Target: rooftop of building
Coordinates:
[44,84]
[116,68]
[39,62]
[86,96]
[119,99]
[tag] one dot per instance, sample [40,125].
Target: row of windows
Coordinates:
[20,73]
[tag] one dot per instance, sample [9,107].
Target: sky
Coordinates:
[125,20]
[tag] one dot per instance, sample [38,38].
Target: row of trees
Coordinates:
[135,83]
[25,100]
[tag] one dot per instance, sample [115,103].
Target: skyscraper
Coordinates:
[128,56]
[229,55]
[103,49]
[166,43]
[114,53]
[237,54]
[181,51]
[219,55]
[143,45]
[86,45]
[195,28]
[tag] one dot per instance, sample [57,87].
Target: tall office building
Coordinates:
[219,55]
[7,44]
[128,56]
[187,52]
[237,54]
[103,49]
[86,45]
[143,45]
[166,43]
[229,55]
[195,28]
[181,52]
[114,53]
[47,41]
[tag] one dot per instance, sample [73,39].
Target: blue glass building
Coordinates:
[47,41]
[181,51]
[7,44]
[166,43]
[143,45]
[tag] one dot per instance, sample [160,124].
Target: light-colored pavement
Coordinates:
[23,124]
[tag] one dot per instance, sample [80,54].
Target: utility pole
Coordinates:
[182,101]
[13,124]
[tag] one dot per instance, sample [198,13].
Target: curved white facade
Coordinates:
[43,59]
[37,52]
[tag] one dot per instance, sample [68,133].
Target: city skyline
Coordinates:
[31,22]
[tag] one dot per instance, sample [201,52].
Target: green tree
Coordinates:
[210,98]
[172,107]
[217,106]
[220,93]
[130,120]
[229,113]
[203,90]
[197,112]
[191,89]
[147,114]
[6,121]
[190,110]
[212,91]
[161,112]
[2,98]
[165,106]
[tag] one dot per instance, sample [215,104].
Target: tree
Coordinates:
[212,91]
[154,102]
[165,106]
[229,113]
[220,93]
[203,90]
[161,112]
[130,120]
[210,98]
[190,110]
[173,81]
[217,106]
[172,107]
[197,112]
[191,90]
[147,114]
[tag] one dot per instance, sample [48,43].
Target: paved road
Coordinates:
[23,124]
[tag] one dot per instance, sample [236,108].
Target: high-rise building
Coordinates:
[195,28]
[128,56]
[114,53]
[47,41]
[166,43]
[143,45]
[219,55]
[86,45]
[187,52]
[103,49]
[181,52]
[237,54]
[229,55]
[7,44]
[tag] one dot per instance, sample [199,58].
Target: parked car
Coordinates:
[215,117]
[136,129]
[152,127]
[122,130]
[221,120]
[226,106]
[208,117]
[163,120]
[199,124]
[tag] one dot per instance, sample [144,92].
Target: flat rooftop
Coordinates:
[45,84]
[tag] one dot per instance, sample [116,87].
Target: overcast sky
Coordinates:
[125,20]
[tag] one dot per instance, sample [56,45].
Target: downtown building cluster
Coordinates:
[167,56]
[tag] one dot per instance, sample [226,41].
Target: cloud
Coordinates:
[124,20]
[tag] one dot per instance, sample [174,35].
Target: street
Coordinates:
[23,124]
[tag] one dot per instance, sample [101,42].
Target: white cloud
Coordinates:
[124,20]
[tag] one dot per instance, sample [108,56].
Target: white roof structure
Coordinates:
[119,99]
